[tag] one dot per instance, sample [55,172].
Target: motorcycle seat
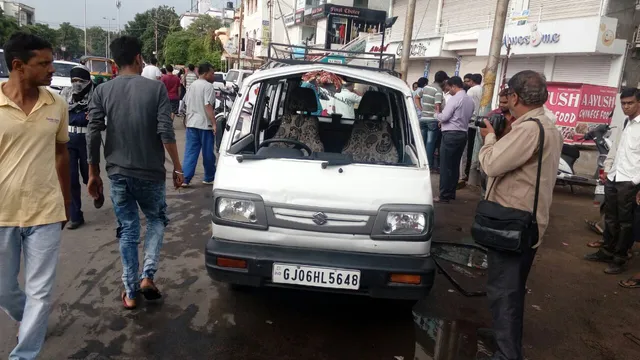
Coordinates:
[570,151]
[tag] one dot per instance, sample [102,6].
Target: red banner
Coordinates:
[579,107]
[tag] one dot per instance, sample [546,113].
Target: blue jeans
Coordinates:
[40,246]
[196,140]
[430,134]
[127,193]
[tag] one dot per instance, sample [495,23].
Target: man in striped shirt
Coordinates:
[190,76]
[428,99]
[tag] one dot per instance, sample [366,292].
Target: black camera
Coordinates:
[498,121]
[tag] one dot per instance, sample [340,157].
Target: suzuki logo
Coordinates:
[320,218]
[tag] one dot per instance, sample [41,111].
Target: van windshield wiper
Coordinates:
[336,162]
[241,158]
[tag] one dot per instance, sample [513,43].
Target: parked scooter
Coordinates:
[570,153]
[224,102]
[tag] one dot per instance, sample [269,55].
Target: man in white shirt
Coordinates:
[152,71]
[346,100]
[200,100]
[622,188]
[473,82]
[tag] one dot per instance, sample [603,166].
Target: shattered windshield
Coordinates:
[334,95]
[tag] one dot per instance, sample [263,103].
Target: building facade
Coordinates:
[24,14]
[565,40]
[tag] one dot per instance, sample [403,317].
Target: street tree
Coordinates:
[71,38]
[204,25]
[43,31]
[176,47]
[8,26]
[143,26]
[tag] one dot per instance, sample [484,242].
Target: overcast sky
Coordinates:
[54,12]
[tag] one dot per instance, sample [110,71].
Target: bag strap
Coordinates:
[538,174]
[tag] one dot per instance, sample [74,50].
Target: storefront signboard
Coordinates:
[422,48]
[374,16]
[567,36]
[289,19]
[299,15]
[579,107]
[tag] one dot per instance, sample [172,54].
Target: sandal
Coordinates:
[631,283]
[593,226]
[151,293]
[595,244]
[124,302]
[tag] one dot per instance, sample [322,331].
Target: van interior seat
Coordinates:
[298,124]
[371,138]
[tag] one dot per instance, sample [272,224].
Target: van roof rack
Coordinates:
[285,54]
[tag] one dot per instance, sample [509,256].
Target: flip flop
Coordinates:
[595,244]
[151,293]
[593,226]
[635,283]
[124,302]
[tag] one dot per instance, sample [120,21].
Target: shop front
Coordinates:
[583,50]
[426,57]
[337,26]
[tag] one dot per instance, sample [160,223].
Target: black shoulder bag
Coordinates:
[507,229]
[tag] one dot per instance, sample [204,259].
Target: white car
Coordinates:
[323,202]
[237,77]
[4,71]
[62,75]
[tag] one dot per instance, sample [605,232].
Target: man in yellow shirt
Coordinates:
[34,187]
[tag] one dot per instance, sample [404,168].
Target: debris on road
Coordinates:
[536,307]
[269,322]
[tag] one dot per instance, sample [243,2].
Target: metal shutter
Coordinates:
[583,69]
[516,65]
[423,22]
[545,10]
[464,15]
[416,71]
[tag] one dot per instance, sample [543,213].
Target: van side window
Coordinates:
[243,127]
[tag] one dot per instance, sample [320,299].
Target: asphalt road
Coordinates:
[573,311]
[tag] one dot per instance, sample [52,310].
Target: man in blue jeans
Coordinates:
[138,132]
[201,126]
[429,100]
[35,188]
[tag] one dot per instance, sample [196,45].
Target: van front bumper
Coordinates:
[375,269]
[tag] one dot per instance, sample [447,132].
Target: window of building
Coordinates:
[337,30]
[361,3]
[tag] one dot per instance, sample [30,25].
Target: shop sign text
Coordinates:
[417,49]
[535,39]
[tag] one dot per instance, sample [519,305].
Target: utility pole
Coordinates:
[490,76]
[240,33]
[106,54]
[270,21]
[85,27]
[286,31]
[156,32]
[406,40]
[118,5]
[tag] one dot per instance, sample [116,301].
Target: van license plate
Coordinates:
[315,276]
[599,190]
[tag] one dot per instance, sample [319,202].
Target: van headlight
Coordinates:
[403,223]
[231,208]
[237,210]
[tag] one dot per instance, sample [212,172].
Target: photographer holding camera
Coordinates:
[511,221]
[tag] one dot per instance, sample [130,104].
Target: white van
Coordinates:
[324,202]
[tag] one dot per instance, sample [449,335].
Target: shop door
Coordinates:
[583,69]
[515,65]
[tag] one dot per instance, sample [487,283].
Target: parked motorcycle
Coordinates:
[224,102]
[570,154]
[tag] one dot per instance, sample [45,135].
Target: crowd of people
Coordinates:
[50,145]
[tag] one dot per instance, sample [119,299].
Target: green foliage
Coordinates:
[144,25]
[72,39]
[204,25]
[43,31]
[176,47]
[204,50]
[7,27]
